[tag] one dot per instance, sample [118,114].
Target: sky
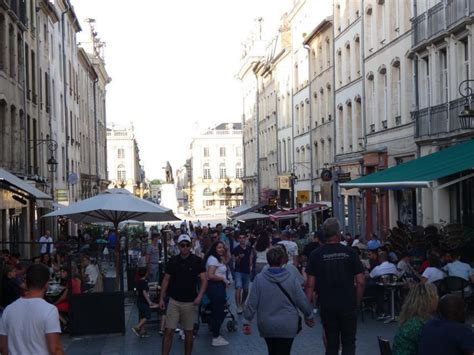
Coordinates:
[173,63]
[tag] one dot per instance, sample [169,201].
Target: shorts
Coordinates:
[143,310]
[242,280]
[183,313]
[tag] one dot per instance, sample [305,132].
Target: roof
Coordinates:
[421,172]
[225,125]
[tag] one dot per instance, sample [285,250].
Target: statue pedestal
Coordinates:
[168,197]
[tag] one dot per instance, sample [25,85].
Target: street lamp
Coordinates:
[466,117]
[52,164]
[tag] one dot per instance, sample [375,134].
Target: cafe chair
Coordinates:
[452,284]
[384,346]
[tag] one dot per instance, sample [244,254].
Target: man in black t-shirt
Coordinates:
[338,274]
[180,283]
[242,270]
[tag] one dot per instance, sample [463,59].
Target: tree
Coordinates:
[156,182]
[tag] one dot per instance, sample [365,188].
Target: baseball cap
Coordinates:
[184,238]
[373,244]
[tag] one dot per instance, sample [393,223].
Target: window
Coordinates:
[222,151]
[239,171]
[207,192]
[465,57]
[206,152]
[396,90]
[121,153]
[443,64]
[209,203]
[425,81]
[121,173]
[222,171]
[206,172]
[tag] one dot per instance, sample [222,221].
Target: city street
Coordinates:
[309,341]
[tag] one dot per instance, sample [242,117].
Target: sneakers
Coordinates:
[219,341]
[239,310]
[144,335]
[136,331]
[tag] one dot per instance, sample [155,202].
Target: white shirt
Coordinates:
[384,269]
[291,249]
[26,322]
[46,240]
[92,273]
[459,269]
[433,274]
[261,257]
[221,268]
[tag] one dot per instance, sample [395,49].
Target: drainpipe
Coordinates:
[257,129]
[25,113]
[308,48]
[419,191]
[96,134]
[243,147]
[363,227]
[66,113]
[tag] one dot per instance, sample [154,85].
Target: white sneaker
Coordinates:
[219,341]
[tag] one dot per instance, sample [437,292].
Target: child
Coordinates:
[143,303]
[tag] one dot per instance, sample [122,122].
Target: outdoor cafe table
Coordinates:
[392,287]
[53,292]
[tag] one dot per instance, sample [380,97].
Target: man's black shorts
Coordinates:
[143,310]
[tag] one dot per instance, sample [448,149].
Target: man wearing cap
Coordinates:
[153,257]
[180,284]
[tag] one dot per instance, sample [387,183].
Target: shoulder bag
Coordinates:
[300,322]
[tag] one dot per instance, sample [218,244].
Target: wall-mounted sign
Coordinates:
[62,195]
[302,196]
[326,175]
[284,182]
[343,177]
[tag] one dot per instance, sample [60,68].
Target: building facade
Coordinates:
[216,165]
[123,159]
[39,114]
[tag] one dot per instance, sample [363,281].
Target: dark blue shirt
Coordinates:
[442,337]
[242,259]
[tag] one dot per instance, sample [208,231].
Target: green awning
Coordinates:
[422,171]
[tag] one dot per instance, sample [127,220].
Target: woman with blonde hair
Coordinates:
[419,307]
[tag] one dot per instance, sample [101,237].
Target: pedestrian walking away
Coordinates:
[180,283]
[338,274]
[278,321]
[143,304]
[243,268]
[217,275]
[30,325]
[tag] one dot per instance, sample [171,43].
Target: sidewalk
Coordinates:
[309,341]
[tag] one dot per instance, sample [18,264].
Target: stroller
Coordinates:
[205,314]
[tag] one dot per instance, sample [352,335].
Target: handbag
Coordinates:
[300,321]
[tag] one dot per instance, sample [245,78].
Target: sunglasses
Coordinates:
[184,245]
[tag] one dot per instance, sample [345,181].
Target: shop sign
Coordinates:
[343,177]
[284,182]
[302,196]
[62,195]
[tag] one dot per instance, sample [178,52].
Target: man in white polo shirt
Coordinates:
[384,268]
[30,325]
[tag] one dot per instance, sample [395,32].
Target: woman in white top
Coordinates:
[433,273]
[218,281]
[261,247]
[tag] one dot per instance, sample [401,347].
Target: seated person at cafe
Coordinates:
[373,258]
[433,272]
[384,268]
[72,285]
[405,268]
[10,290]
[447,334]
[458,268]
[90,273]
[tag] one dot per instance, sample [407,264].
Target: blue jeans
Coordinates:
[217,297]
[242,280]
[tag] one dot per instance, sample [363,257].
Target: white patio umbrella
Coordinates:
[252,216]
[114,206]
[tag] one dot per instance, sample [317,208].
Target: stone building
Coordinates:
[123,159]
[216,164]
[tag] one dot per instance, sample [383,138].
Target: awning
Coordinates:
[420,172]
[239,209]
[250,209]
[251,216]
[14,181]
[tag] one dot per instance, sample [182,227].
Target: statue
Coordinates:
[169,173]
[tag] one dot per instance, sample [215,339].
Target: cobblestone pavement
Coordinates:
[309,341]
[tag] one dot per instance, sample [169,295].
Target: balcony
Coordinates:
[439,19]
[438,119]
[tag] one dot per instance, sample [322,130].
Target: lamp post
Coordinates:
[466,116]
[51,162]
